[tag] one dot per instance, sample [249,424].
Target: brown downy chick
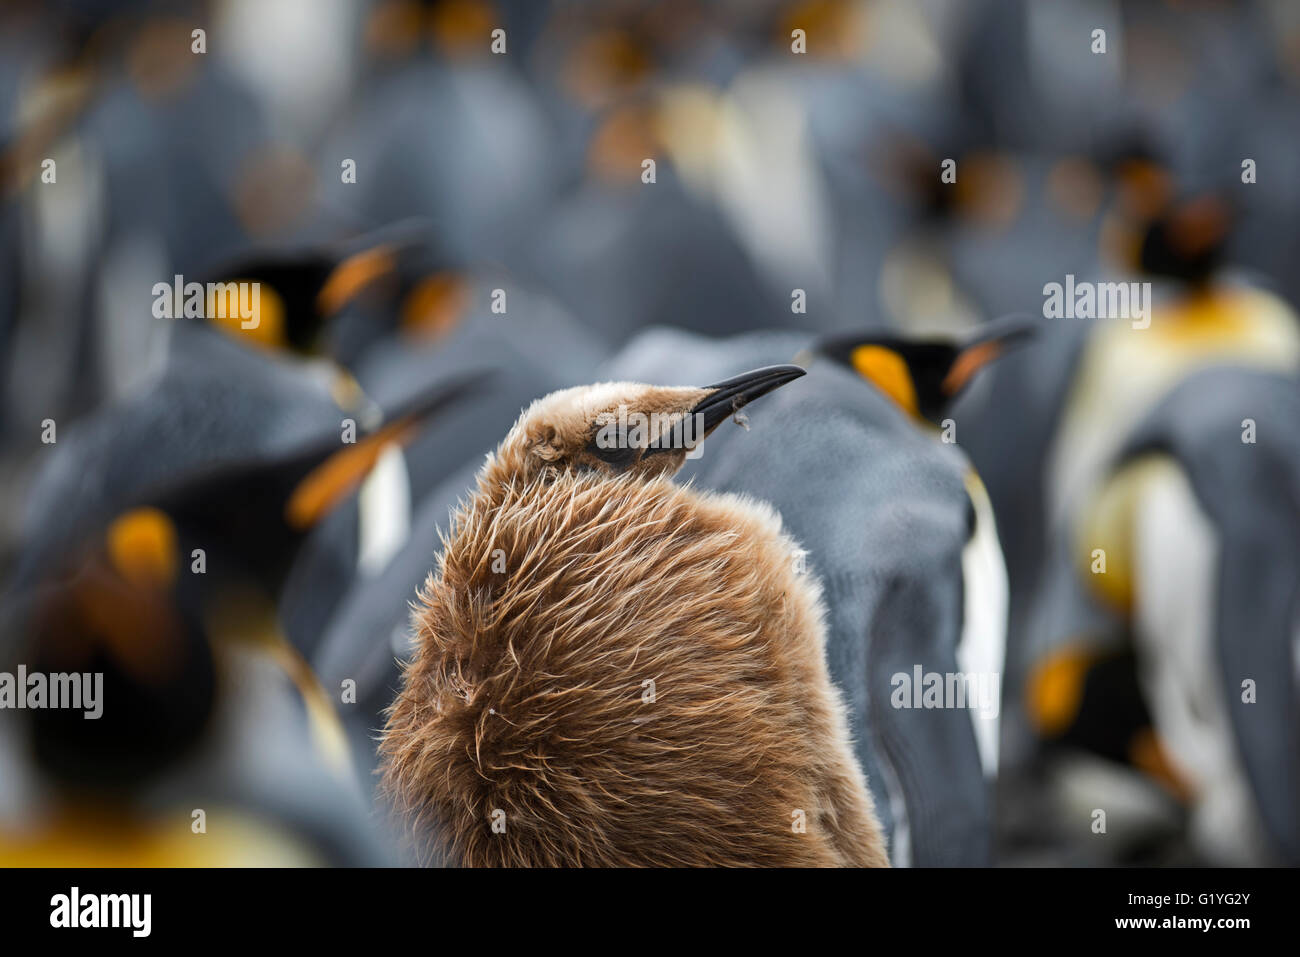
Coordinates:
[612,670]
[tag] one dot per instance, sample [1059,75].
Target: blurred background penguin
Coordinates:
[169,589]
[555,192]
[1146,635]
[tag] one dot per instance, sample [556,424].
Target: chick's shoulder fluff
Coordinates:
[613,670]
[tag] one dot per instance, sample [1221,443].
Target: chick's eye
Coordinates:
[610,444]
[619,459]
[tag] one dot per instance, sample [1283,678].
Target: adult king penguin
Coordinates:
[923,377]
[614,670]
[1157,486]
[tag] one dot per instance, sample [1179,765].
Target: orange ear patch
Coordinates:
[142,547]
[264,328]
[351,276]
[888,371]
[1144,188]
[1054,690]
[969,361]
[603,64]
[126,606]
[338,476]
[462,27]
[831,26]
[435,307]
[1075,187]
[990,189]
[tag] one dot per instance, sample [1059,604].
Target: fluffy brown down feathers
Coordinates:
[612,670]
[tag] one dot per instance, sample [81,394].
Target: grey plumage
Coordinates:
[1251,492]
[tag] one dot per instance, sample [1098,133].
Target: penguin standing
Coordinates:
[923,378]
[1141,514]
[613,670]
[1202,525]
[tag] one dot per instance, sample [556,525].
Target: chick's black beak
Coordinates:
[730,395]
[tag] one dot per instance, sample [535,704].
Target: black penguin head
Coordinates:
[271,300]
[1159,228]
[922,376]
[1186,241]
[337,299]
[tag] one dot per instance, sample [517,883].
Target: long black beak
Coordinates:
[730,395]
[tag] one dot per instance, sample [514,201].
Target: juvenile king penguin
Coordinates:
[614,670]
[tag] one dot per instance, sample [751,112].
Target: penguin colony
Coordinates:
[420,554]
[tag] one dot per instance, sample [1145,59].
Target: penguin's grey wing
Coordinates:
[1250,492]
[1175,561]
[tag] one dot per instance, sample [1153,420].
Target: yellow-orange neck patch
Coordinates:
[888,371]
[1054,691]
[338,476]
[265,328]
